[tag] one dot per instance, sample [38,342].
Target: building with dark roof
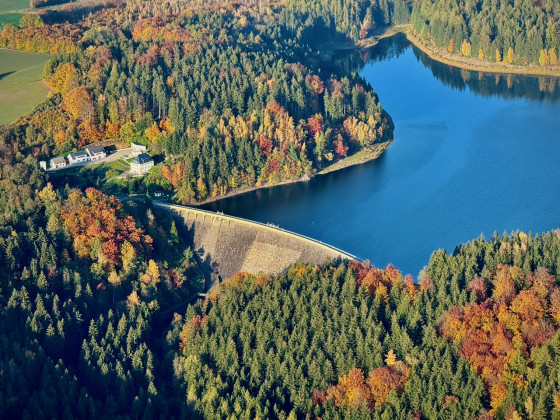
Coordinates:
[78,157]
[141,164]
[96,152]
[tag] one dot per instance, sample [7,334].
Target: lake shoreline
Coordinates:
[358,158]
[441,55]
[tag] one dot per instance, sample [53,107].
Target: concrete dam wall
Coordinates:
[226,245]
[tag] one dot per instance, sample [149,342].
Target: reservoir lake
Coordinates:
[472,154]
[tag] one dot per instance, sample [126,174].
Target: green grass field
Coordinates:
[21,87]
[10,18]
[9,5]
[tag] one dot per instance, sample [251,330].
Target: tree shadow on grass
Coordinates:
[4,75]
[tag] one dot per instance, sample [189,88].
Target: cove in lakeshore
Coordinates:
[472,154]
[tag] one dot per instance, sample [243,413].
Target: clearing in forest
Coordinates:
[10,5]
[21,87]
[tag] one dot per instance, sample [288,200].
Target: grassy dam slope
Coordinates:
[227,244]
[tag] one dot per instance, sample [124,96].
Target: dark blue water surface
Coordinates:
[472,154]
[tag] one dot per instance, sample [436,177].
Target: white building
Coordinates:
[139,148]
[141,164]
[58,162]
[96,153]
[78,157]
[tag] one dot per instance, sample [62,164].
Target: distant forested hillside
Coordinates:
[513,31]
[237,95]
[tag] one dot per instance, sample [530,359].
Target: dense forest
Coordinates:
[477,337]
[96,317]
[90,284]
[236,94]
[86,328]
[86,284]
[510,31]
[232,97]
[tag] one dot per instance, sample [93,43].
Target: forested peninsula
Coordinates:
[103,307]
[234,97]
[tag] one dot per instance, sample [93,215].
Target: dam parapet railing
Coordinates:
[277,229]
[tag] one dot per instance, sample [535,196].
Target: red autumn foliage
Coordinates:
[426,283]
[275,108]
[378,282]
[176,278]
[149,58]
[363,33]
[353,391]
[95,219]
[340,148]
[315,124]
[318,397]
[521,315]
[273,166]
[479,287]
[266,146]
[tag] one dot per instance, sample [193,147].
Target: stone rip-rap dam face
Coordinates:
[227,244]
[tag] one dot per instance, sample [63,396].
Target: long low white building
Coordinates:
[78,157]
[96,153]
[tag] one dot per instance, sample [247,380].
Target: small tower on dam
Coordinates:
[227,244]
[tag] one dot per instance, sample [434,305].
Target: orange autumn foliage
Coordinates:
[111,130]
[46,39]
[351,391]
[387,378]
[78,103]
[275,108]
[97,223]
[89,133]
[521,315]
[196,324]
[354,391]
[378,282]
[157,29]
